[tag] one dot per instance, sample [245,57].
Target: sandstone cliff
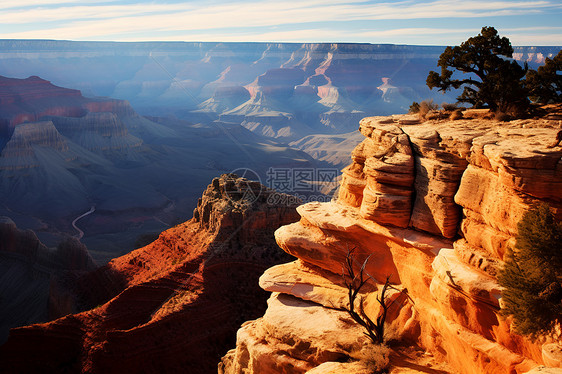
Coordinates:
[172,306]
[434,206]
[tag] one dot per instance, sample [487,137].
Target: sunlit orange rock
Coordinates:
[471,181]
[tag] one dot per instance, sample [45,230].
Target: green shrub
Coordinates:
[545,84]
[532,274]
[414,108]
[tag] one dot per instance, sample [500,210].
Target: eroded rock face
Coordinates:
[27,100]
[434,207]
[36,281]
[172,306]
[19,152]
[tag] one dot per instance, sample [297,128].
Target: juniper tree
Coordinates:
[545,84]
[532,274]
[492,77]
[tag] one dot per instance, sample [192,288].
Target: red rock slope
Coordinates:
[176,303]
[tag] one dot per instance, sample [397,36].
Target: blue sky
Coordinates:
[442,22]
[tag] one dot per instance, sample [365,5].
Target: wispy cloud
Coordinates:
[38,3]
[249,19]
[541,39]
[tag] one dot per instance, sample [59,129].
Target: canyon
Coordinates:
[431,206]
[119,159]
[280,90]
[173,305]
[127,134]
[62,154]
[35,285]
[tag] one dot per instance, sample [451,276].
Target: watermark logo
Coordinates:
[292,186]
[301,185]
[247,189]
[302,180]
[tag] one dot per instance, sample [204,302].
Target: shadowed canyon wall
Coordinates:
[172,306]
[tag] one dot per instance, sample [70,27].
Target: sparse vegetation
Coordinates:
[429,110]
[426,107]
[354,281]
[377,357]
[449,107]
[545,84]
[456,114]
[414,108]
[532,274]
[494,79]
[423,108]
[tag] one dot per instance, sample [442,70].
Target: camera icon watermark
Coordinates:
[243,185]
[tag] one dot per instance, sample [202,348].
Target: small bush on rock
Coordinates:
[457,114]
[354,282]
[377,357]
[449,107]
[427,106]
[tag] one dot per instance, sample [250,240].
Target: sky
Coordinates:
[441,22]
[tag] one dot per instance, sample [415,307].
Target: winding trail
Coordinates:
[80,232]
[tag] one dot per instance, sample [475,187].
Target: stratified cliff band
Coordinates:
[433,206]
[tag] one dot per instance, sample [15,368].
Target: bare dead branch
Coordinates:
[354,283]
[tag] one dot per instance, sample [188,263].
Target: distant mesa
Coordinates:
[186,79]
[26,100]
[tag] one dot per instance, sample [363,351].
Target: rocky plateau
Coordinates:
[433,207]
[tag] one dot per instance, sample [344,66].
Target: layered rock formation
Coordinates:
[27,100]
[20,151]
[327,86]
[432,207]
[62,153]
[172,306]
